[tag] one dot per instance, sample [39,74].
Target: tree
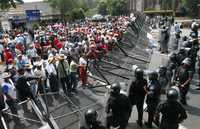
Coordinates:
[63,5]
[83,4]
[191,7]
[6,4]
[117,7]
[77,13]
[166,4]
[102,7]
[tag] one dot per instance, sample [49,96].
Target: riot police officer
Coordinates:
[153,97]
[164,40]
[172,111]
[137,93]
[118,108]
[172,66]
[195,27]
[184,77]
[89,120]
[162,77]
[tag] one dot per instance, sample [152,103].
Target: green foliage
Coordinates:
[62,5]
[91,12]
[191,7]
[6,4]
[117,7]
[77,13]
[102,7]
[83,4]
[166,4]
[113,7]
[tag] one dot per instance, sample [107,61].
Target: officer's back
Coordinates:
[171,112]
[119,104]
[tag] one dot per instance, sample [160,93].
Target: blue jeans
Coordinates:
[73,80]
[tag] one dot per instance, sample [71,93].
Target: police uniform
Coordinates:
[137,95]
[118,110]
[164,40]
[89,120]
[162,78]
[172,111]
[182,76]
[153,98]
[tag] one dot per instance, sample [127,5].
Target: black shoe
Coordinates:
[148,125]
[198,88]
[139,123]
[184,103]
[157,123]
[75,91]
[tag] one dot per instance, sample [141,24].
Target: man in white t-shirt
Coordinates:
[9,91]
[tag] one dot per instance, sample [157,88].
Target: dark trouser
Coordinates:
[65,81]
[116,121]
[168,126]
[73,80]
[53,83]
[151,108]
[139,104]
[40,86]
[183,93]
[13,107]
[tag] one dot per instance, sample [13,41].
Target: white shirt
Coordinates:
[82,61]
[10,88]
[51,69]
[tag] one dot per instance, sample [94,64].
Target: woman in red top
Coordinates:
[8,56]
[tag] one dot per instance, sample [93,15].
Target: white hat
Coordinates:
[187,61]
[62,57]
[6,75]
[38,63]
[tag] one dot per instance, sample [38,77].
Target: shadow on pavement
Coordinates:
[193,110]
[135,126]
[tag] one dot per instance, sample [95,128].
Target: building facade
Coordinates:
[153,5]
[18,16]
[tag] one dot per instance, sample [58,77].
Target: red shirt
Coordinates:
[8,55]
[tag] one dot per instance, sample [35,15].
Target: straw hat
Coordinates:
[28,66]
[5,75]
[62,57]
[38,63]
[51,59]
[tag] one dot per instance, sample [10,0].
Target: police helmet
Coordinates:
[186,61]
[153,75]
[115,88]
[182,50]
[162,69]
[91,116]
[187,45]
[172,94]
[171,66]
[193,34]
[139,73]
[172,56]
[185,38]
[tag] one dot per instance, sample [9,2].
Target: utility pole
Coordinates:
[198,10]
[174,7]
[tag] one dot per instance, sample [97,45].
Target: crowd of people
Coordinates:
[54,56]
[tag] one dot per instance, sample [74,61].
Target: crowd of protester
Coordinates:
[53,56]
